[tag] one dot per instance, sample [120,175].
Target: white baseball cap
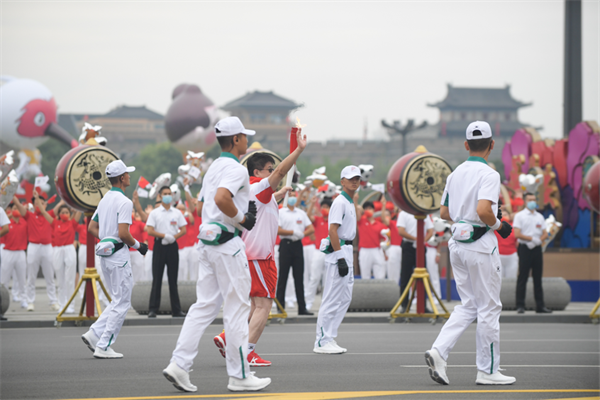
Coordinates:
[231,126]
[350,172]
[117,168]
[481,126]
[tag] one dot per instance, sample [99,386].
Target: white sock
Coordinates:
[251,347]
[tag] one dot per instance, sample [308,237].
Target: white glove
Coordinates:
[168,239]
[298,235]
[536,241]
[530,245]
[414,244]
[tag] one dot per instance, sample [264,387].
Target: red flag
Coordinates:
[51,199]
[143,183]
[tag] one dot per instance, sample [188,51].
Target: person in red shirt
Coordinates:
[13,252]
[370,255]
[507,248]
[317,267]
[64,227]
[394,253]
[137,259]
[39,249]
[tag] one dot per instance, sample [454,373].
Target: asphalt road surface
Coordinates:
[384,361]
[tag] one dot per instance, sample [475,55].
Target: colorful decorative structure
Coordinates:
[563,163]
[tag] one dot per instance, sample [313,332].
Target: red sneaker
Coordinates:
[220,343]
[254,360]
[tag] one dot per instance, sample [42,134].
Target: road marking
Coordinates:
[511,366]
[342,395]
[410,353]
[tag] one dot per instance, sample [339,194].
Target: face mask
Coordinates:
[167,199]
[368,213]
[292,201]
[532,205]
[16,214]
[65,217]
[325,212]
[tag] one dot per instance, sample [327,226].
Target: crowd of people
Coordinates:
[239,245]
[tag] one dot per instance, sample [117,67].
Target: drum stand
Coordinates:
[595,317]
[282,315]
[90,296]
[420,277]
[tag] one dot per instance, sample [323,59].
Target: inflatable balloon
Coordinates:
[366,171]
[530,183]
[194,168]
[29,115]
[190,120]
[160,182]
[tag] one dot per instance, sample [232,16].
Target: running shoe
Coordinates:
[220,343]
[254,360]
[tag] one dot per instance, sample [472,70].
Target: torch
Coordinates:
[293,145]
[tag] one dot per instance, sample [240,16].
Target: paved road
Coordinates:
[384,361]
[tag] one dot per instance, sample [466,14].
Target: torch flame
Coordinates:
[298,125]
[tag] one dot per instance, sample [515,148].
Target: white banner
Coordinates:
[41,181]
[378,187]
[194,172]
[142,193]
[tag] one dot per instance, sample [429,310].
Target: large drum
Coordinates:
[80,176]
[259,150]
[591,186]
[416,182]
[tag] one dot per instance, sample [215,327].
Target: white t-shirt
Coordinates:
[260,241]
[113,209]
[166,221]
[530,224]
[295,220]
[409,223]
[3,218]
[470,182]
[343,213]
[225,172]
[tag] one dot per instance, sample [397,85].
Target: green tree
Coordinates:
[52,152]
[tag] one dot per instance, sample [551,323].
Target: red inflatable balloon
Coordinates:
[591,186]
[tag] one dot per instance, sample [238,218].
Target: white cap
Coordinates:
[117,168]
[481,126]
[350,172]
[231,126]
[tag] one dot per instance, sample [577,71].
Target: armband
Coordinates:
[239,217]
[496,225]
[136,245]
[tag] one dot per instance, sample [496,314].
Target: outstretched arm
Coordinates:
[283,167]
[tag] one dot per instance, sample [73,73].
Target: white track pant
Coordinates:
[394,254]
[184,264]
[223,279]
[65,265]
[372,263]
[118,280]
[434,271]
[137,266]
[40,255]
[13,264]
[337,295]
[148,266]
[307,252]
[193,262]
[478,282]
[82,257]
[317,272]
[510,265]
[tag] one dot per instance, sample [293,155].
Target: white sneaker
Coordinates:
[179,378]
[24,304]
[339,347]
[55,307]
[106,354]
[30,307]
[250,384]
[494,379]
[437,366]
[328,348]
[90,339]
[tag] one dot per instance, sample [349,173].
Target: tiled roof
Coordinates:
[258,99]
[129,112]
[491,98]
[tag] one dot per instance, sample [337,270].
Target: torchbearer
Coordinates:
[470,199]
[337,292]
[223,276]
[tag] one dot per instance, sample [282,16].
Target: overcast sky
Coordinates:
[346,61]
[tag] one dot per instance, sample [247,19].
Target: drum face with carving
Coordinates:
[275,156]
[591,186]
[416,182]
[80,176]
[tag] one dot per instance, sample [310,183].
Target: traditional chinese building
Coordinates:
[494,105]
[267,114]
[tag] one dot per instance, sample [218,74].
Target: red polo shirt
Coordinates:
[395,238]
[16,238]
[63,232]
[184,241]
[39,231]
[369,234]
[321,230]
[507,246]
[137,231]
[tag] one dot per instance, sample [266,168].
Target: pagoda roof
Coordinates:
[469,98]
[258,99]
[133,112]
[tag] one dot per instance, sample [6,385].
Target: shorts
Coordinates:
[264,278]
